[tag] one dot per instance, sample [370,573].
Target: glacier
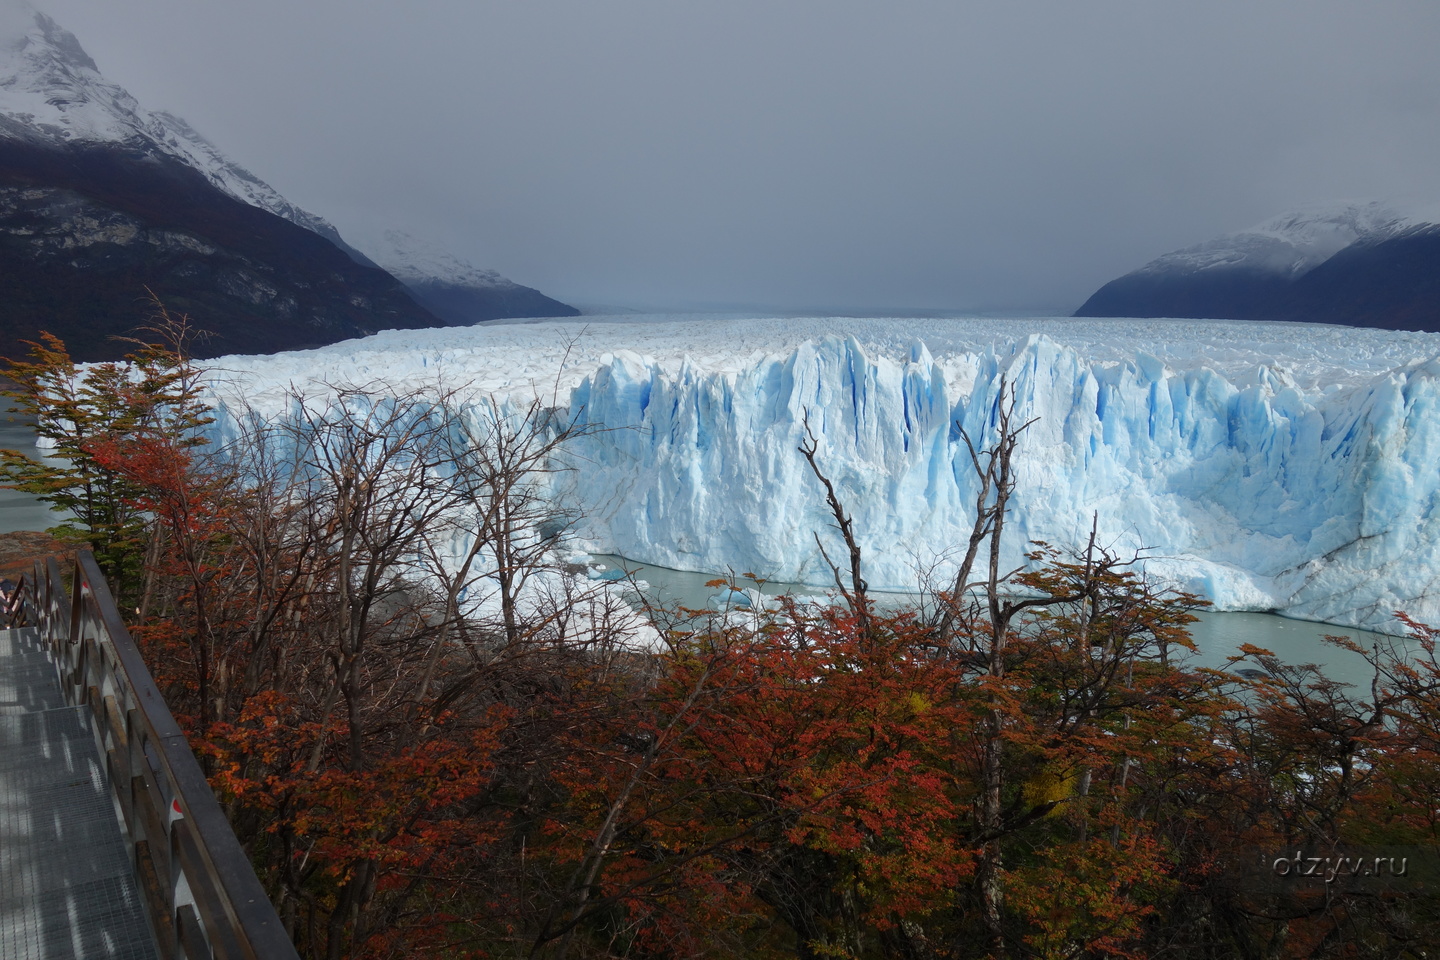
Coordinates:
[1265,466]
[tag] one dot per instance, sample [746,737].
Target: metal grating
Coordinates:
[66,885]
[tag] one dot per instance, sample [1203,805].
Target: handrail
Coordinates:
[204,898]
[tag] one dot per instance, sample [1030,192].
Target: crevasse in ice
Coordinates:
[1256,495]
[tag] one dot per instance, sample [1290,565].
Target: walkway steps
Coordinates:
[67,889]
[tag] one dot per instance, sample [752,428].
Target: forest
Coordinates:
[434,741]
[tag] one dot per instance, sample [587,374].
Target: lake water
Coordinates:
[1217,635]
[21,511]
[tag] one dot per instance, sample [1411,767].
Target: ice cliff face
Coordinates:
[1250,491]
[1299,478]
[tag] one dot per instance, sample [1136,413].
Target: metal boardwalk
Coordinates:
[67,889]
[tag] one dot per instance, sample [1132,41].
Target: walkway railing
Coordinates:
[204,898]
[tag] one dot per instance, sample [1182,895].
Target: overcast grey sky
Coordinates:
[819,154]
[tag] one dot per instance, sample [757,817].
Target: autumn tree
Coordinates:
[321,618]
[155,390]
[1064,675]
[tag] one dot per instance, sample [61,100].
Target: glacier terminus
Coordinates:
[1281,467]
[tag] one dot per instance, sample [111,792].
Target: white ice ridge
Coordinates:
[1281,467]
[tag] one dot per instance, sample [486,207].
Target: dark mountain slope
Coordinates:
[460,305]
[456,291]
[1364,263]
[1393,284]
[86,228]
[102,200]
[1249,295]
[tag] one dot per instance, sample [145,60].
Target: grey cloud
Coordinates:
[835,153]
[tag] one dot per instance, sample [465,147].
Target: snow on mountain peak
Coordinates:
[1320,231]
[53,93]
[51,89]
[22,27]
[417,261]
[1295,242]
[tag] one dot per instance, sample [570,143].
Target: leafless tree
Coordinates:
[857,593]
[360,520]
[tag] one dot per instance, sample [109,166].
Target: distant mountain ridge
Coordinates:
[1364,262]
[101,200]
[455,291]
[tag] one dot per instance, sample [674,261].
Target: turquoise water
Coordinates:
[21,511]
[1217,635]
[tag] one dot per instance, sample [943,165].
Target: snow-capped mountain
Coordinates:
[458,292]
[1291,244]
[102,201]
[51,92]
[1365,262]
[416,261]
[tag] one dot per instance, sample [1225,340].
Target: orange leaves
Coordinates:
[399,813]
[837,745]
[394,814]
[1082,896]
[1250,650]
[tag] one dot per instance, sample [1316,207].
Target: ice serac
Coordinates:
[1251,491]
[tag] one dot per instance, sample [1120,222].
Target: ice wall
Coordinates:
[1315,501]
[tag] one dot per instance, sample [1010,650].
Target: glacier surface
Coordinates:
[1265,466]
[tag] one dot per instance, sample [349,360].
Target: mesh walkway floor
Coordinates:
[66,886]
